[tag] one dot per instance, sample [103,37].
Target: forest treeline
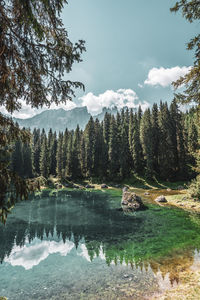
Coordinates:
[160,142]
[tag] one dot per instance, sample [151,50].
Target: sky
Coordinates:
[135,49]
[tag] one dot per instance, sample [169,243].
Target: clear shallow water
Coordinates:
[77,245]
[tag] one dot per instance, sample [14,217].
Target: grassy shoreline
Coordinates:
[184,202]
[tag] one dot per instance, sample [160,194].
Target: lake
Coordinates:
[78,245]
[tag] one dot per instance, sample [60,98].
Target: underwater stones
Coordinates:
[88,186]
[75,186]
[104,186]
[131,202]
[161,199]
[146,194]
[58,186]
[66,185]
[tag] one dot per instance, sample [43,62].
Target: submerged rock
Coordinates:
[88,186]
[104,186]
[146,194]
[161,199]
[131,202]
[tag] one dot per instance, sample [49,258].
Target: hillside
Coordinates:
[60,119]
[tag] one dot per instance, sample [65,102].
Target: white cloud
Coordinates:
[95,104]
[31,255]
[110,98]
[84,253]
[164,77]
[27,111]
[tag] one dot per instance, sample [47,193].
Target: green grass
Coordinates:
[178,197]
[141,182]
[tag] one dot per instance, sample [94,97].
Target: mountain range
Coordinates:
[60,119]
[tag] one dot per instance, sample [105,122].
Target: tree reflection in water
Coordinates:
[159,238]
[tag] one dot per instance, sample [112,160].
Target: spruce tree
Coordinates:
[125,155]
[76,166]
[89,134]
[44,158]
[59,156]
[27,160]
[36,151]
[83,156]
[64,148]
[52,154]
[113,151]
[137,153]
[146,140]
[99,151]
[17,158]
[155,137]
[69,162]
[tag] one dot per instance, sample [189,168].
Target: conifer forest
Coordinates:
[157,143]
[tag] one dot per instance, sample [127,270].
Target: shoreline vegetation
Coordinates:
[176,193]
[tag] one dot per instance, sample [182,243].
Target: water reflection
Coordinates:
[89,226]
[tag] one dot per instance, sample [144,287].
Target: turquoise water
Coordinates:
[78,245]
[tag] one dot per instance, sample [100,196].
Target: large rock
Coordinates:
[131,202]
[161,199]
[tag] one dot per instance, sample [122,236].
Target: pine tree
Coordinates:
[17,158]
[106,134]
[137,153]
[89,134]
[155,137]
[76,166]
[83,157]
[27,160]
[69,162]
[52,154]
[44,158]
[113,151]
[146,140]
[59,156]
[36,151]
[125,159]
[64,149]
[165,154]
[99,151]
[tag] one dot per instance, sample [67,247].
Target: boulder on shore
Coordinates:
[131,202]
[161,199]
